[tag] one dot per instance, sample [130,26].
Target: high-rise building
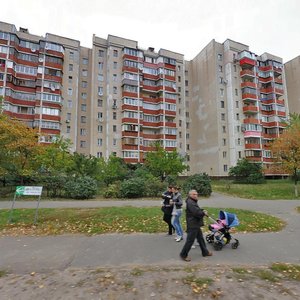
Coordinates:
[119,99]
[238,105]
[292,71]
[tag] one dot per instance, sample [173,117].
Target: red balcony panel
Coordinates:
[152,100]
[250,109]
[149,148]
[129,94]
[252,146]
[171,78]
[3,42]
[171,124]
[172,101]
[251,121]
[252,134]
[151,136]
[2,55]
[51,118]
[53,65]
[24,76]
[267,90]
[281,113]
[268,112]
[170,148]
[21,88]
[51,77]
[170,113]
[49,104]
[248,84]
[279,91]
[130,120]
[282,125]
[55,53]
[129,134]
[150,88]
[20,102]
[130,69]
[26,63]
[129,147]
[131,160]
[268,79]
[267,159]
[277,70]
[129,107]
[253,158]
[269,124]
[19,116]
[150,111]
[150,76]
[271,101]
[247,61]
[278,80]
[171,67]
[269,136]
[170,137]
[151,124]
[247,73]
[265,68]
[50,131]
[130,57]
[249,96]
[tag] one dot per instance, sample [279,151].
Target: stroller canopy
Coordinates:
[230,219]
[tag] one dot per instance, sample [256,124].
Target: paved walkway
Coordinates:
[43,254]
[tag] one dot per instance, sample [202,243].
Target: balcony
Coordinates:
[251,121]
[267,90]
[253,146]
[279,91]
[250,109]
[248,84]
[247,73]
[247,96]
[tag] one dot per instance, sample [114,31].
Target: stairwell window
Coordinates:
[220,57]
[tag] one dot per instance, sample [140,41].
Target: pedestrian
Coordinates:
[194,221]
[167,207]
[176,213]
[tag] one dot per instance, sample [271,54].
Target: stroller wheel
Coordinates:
[235,244]
[210,238]
[218,246]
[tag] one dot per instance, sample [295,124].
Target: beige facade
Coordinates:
[292,71]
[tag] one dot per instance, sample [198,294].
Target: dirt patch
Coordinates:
[145,282]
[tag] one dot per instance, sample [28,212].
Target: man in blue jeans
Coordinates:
[194,221]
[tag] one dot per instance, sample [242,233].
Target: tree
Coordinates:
[18,149]
[286,149]
[247,172]
[163,163]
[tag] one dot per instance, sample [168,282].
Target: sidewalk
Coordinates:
[44,254]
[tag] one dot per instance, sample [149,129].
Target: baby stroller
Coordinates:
[220,231]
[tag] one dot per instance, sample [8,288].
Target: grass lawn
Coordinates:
[116,220]
[271,189]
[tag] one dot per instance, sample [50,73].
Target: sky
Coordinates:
[183,26]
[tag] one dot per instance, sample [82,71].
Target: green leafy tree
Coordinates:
[199,182]
[247,172]
[163,163]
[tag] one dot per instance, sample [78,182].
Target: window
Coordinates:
[234,68]
[70,91]
[225,168]
[236,92]
[238,128]
[70,67]
[99,142]
[179,79]
[83,107]
[237,104]
[220,57]
[84,96]
[99,154]
[224,129]
[187,136]
[115,53]
[180,123]
[100,90]
[71,55]
[84,73]
[101,53]
[82,144]
[68,129]
[99,115]
[237,116]
[224,154]
[100,102]
[220,79]
[70,79]
[240,154]
[224,142]
[222,92]
[69,116]
[115,90]
[220,68]
[83,119]
[115,65]
[186,83]
[187,125]
[100,77]
[186,93]
[222,116]
[114,77]
[70,104]
[222,104]
[188,147]
[100,66]
[84,84]
[82,131]
[85,61]
[114,128]
[114,116]
[114,142]
[100,128]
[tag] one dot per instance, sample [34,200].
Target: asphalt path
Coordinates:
[25,254]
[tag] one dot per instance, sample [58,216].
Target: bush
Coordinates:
[133,188]
[112,191]
[55,185]
[198,182]
[153,187]
[83,187]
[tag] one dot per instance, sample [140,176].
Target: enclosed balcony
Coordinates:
[247,58]
[250,109]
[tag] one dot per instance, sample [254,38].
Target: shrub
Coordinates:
[153,187]
[55,185]
[132,188]
[198,182]
[112,191]
[83,187]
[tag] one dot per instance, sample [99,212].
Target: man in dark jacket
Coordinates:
[167,207]
[194,221]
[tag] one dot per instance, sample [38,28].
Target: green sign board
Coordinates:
[29,190]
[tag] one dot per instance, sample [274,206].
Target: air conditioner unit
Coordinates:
[225,81]
[67,121]
[47,48]
[100,120]
[114,106]
[33,50]
[100,94]
[41,59]
[52,88]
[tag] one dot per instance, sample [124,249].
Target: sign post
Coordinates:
[27,191]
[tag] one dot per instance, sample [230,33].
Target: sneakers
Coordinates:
[179,238]
[193,247]
[208,254]
[185,258]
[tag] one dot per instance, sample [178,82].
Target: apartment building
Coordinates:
[117,98]
[292,71]
[238,105]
